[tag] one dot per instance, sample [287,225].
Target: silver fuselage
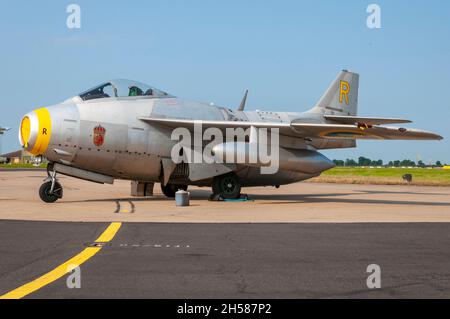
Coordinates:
[133,149]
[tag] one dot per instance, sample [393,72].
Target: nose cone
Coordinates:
[35,131]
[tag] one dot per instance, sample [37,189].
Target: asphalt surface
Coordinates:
[158,260]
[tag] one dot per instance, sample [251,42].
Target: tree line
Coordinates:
[364,161]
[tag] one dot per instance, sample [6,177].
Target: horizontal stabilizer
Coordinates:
[343,131]
[363,120]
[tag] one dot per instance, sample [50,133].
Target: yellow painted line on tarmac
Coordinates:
[65,268]
[109,233]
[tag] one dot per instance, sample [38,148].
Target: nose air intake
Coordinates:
[35,131]
[25,131]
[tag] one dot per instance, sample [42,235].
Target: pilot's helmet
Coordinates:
[135,91]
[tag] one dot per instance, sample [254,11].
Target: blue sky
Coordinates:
[285,52]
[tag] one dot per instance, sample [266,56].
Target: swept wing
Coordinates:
[308,130]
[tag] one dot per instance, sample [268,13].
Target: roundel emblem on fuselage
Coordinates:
[99,135]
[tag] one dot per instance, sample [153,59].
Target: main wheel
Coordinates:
[46,196]
[170,189]
[227,185]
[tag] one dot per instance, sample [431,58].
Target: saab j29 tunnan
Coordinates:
[123,130]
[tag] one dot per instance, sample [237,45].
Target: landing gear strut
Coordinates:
[228,186]
[170,189]
[51,190]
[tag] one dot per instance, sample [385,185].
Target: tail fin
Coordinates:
[341,98]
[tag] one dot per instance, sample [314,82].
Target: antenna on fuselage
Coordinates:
[244,100]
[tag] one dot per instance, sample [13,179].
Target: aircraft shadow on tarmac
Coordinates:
[402,193]
[330,198]
[295,198]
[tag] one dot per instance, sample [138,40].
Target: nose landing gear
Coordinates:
[51,190]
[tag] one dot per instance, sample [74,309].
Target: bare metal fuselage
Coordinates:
[123,130]
[134,150]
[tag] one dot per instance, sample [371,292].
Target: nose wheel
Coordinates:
[51,190]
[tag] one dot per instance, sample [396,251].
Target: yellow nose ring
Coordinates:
[41,135]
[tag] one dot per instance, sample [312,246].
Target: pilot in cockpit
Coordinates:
[135,91]
[121,88]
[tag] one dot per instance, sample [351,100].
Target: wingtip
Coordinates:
[435,137]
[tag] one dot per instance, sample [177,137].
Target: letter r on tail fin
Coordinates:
[341,98]
[343,91]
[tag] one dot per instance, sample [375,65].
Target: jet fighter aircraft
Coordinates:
[123,130]
[3,130]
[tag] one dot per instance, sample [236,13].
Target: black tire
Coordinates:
[44,192]
[227,185]
[170,189]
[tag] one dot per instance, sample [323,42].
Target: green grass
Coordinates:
[21,166]
[388,172]
[358,175]
[355,175]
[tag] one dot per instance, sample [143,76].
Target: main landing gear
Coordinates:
[170,189]
[228,186]
[51,190]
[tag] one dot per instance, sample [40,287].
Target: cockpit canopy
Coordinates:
[122,88]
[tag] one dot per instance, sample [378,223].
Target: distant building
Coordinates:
[2,131]
[18,157]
